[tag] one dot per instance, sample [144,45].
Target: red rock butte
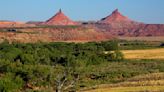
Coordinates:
[60,19]
[116,16]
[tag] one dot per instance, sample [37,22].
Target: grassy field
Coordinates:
[152,82]
[132,89]
[143,83]
[144,54]
[142,38]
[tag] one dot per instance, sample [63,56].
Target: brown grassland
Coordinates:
[143,83]
[144,54]
[159,38]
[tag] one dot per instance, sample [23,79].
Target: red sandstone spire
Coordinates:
[116,16]
[60,11]
[60,19]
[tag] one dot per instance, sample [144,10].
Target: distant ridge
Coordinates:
[6,23]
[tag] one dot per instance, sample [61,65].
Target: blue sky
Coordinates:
[148,11]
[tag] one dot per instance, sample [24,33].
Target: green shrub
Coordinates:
[27,59]
[10,83]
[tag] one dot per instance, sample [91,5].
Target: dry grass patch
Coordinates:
[159,38]
[143,83]
[144,54]
[131,89]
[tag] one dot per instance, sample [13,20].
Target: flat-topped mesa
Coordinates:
[116,16]
[60,19]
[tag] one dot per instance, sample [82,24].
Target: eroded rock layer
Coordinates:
[54,34]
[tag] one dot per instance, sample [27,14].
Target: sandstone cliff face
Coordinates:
[132,30]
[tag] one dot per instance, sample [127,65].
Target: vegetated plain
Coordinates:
[137,51]
[49,67]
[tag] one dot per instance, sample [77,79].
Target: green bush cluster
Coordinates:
[37,64]
[132,45]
